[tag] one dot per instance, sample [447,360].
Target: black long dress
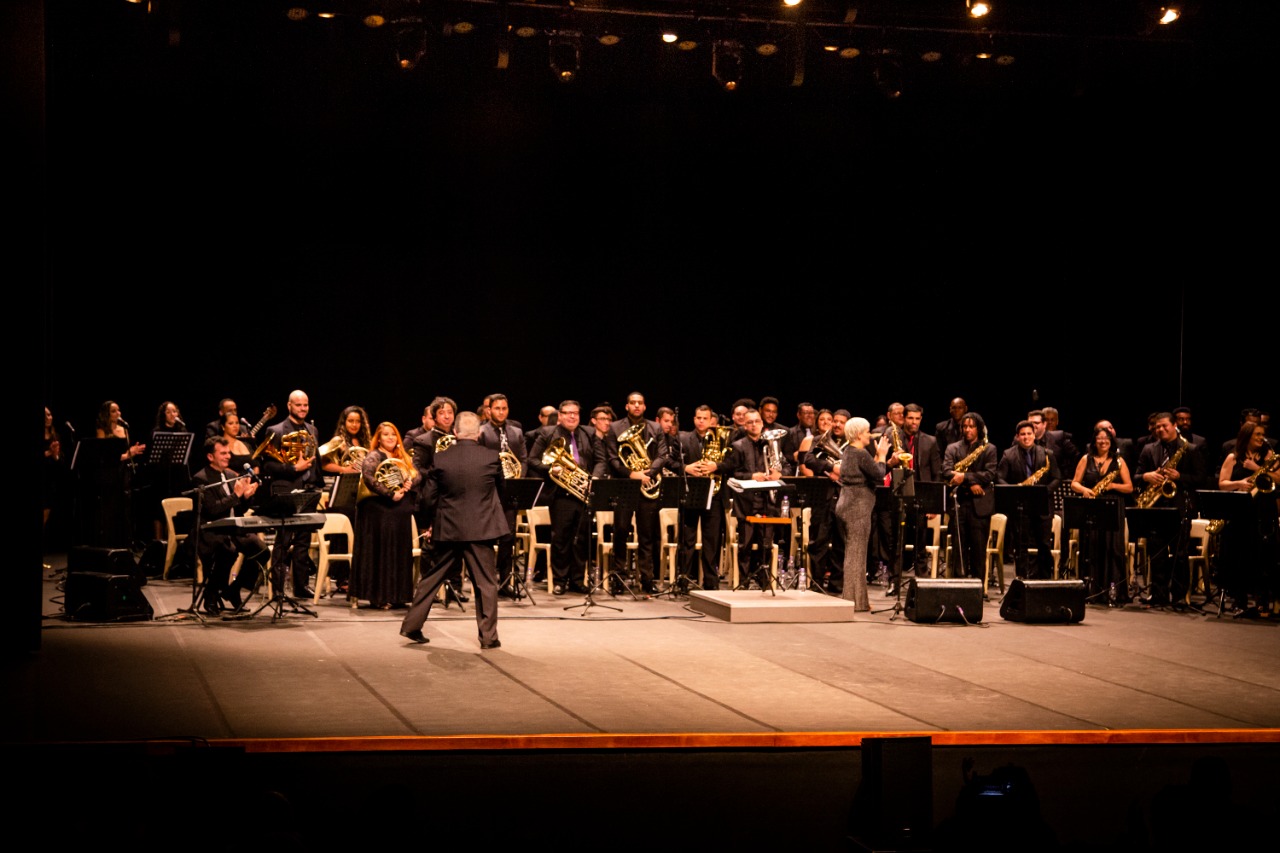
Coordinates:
[1248,552]
[382,572]
[1105,551]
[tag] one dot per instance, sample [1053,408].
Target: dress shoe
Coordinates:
[415,636]
[212,606]
[507,592]
[231,595]
[559,589]
[496,644]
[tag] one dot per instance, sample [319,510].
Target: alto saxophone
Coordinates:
[1101,485]
[1263,480]
[634,453]
[904,458]
[1165,488]
[963,465]
[1038,473]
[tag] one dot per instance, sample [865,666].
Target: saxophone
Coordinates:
[571,477]
[1165,488]
[1038,473]
[1101,485]
[1263,481]
[904,458]
[511,468]
[963,465]
[634,454]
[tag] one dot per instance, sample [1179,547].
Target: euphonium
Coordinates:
[1263,480]
[773,449]
[963,464]
[563,471]
[511,468]
[1165,488]
[634,453]
[715,450]
[825,443]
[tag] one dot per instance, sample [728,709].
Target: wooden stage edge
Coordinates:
[693,740]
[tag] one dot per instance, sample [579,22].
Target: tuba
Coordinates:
[571,477]
[511,468]
[825,444]
[634,453]
[1166,488]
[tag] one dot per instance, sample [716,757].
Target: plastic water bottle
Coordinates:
[802,580]
[786,507]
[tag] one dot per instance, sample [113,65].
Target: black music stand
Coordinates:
[345,493]
[1020,503]
[606,495]
[809,493]
[1160,524]
[170,448]
[1226,507]
[692,494]
[1092,517]
[519,495]
[283,505]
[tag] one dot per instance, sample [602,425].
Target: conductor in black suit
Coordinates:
[462,498]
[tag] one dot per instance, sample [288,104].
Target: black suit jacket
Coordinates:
[462,494]
[982,473]
[656,448]
[1012,468]
[490,438]
[928,461]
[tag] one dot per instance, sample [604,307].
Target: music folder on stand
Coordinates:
[683,493]
[520,495]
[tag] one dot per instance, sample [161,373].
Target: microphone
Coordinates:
[122,422]
[180,422]
[248,470]
[70,428]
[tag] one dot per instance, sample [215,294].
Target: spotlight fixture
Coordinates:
[565,55]
[726,63]
[411,46]
[888,74]
[978,8]
[1169,14]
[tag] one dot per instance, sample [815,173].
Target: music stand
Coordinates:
[1226,507]
[345,492]
[1092,517]
[1018,502]
[1159,524]
[519,495]
[606,495]
[170,448]
[285,503]
[809,493]
[103,513]
[691,494]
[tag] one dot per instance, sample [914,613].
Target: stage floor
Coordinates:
[654,668]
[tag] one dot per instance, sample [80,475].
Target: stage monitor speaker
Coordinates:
[893,806]
[111,561]
[1044,601]
[944,600]
[102,597]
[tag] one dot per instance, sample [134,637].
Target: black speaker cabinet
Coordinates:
[111,561]
[893,806]
[1043,601]
[102,597]
[944,600]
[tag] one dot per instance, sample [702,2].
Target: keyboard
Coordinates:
[252,523]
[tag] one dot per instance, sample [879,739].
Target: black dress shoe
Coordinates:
[212,606]
[415,636]
[231,595]
[496,644]
[559,589]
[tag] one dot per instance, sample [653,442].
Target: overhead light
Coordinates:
[609,39]
[888,74]
[411,46]
[726,64]
[791,3]
[565,56]
[978,8]
[1169,14]
[670,36]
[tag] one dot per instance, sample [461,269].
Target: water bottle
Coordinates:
[802,581]
[790,574]
[786,507]
[1112,597]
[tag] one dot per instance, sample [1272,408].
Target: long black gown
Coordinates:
[382,572]
[1104,551]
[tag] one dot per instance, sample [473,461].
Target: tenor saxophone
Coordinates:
[1165,488]
[1101,485]
[1038,473]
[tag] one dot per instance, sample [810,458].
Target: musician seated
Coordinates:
[228,496]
